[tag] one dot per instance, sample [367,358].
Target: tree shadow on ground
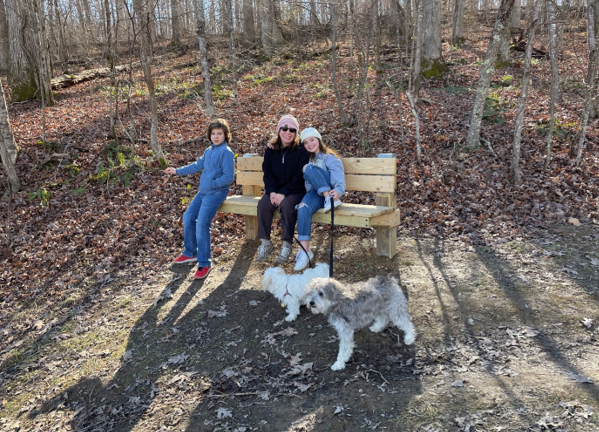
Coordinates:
[230,360]
[517,313]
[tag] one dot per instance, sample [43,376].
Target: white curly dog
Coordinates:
[290,290]
[352,306]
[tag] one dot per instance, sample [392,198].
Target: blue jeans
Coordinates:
[196,225]
[319,179]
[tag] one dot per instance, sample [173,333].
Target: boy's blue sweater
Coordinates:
[218,163]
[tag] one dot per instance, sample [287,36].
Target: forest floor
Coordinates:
[100,332]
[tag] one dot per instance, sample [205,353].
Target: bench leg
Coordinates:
[386,241]
[251,227]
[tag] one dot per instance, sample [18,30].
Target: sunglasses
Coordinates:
[285,129]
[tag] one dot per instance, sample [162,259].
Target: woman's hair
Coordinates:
[277,144]
[324,149]
[222,124]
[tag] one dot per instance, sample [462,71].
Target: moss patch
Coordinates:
[434,69]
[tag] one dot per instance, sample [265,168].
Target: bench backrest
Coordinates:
[361,174]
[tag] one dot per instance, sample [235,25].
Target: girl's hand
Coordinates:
[170,170]
[335,195]
[269,145]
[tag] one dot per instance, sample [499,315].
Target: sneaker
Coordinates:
[201,273]
[283,255]
[302,260]
[184,259]
[327,203]
[263,251]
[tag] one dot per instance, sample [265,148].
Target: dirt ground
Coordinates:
[506,342]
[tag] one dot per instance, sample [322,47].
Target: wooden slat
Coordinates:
[247,178]
[370,183]
[380,166]
[249,163]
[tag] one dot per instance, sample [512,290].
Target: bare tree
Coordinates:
[3,39]
[432,60]
[486,70]
[176,23]
[142,14]
[28,65]
[334,64]
[248,21]
[457,30]
[590,84]
[415,64]
[233,55]
[201,33]
[555,92]
[516,170]
[8,147]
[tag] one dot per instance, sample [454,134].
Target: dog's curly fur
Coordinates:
[290,290]
[353,306]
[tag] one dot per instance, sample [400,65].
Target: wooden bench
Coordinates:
[376,175]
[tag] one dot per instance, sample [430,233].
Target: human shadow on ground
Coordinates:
[230,360]
[155,346]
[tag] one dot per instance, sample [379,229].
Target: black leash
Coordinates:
[332,238]
[295,238]
[332,227]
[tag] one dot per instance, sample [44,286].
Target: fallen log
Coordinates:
[68,80]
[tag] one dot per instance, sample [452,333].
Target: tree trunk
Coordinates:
[334,66]
[201,33]
[457,31]
[589,92]
[143,14]
[63,47]
[314,21]
[3,39]
[176,23]
[226,8]
[233,58]
[555,92]
[432,61]
[265,25]
[504,47]
[27,68]
[416,65]
[8,147]
[486,70]
[516,170]
[248,21]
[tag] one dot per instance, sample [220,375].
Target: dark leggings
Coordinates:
[265,215]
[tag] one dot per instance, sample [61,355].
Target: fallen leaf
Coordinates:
[588,322]
[574,221]
[223,413]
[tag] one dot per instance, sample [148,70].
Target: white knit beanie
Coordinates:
[310,132]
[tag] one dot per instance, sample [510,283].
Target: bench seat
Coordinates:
[355,215]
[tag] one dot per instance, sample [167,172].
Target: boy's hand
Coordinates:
[170,170]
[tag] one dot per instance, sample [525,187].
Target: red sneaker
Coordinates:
[201,273]
[184,259]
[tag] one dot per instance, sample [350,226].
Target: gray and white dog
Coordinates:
[352,306]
